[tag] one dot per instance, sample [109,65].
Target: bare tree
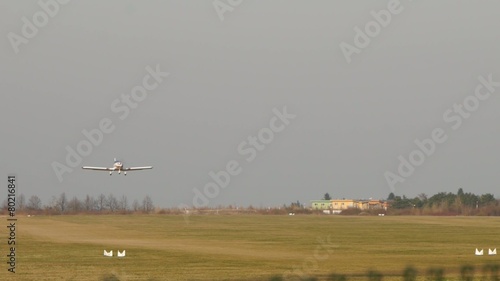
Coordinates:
[111,203]
[34,203]
[101,202]
[74,205]
[422,196]
[52,205]
[62,203]
[147,204]
[135,205]
[123,203]
[89,204]
[21,202]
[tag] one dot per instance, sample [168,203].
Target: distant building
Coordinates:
[378,204]
[337,205]
[342,204]
[321,204]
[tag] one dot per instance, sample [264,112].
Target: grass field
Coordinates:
[245,247]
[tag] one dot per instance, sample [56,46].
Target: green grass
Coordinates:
[246,247]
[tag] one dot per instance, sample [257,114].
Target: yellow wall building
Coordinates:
[342,204]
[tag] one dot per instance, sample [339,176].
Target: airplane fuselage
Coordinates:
[118,166]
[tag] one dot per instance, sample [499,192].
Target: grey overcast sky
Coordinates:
[65,67]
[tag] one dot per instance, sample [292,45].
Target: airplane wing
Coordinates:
[97,168]
[137,168]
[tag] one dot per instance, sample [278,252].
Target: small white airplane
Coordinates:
[117,166]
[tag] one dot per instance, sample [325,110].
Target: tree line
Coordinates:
[447,203]
[90,204]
